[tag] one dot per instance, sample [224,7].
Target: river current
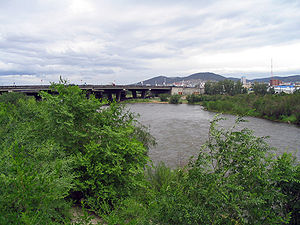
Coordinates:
[180,130]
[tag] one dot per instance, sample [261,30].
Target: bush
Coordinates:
[175,99]
[288,172]
[12,97]
[104,147]
[193,98]
[105,142]
[33,186]
[283,108]
[234,180]
[164,97]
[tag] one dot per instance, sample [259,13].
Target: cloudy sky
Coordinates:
[126,41]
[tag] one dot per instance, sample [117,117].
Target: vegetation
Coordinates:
[66,146]
[234,180]
[282,107]
[228,87]
[195,98]
[175,99]
[164,97]
[278,107]
[137,100]
[12,97]
[68,149]
[262,89]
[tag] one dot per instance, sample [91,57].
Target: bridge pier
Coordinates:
[88,94]
[118,96]
[134,95]
[109,96]
[123,95]
[98,94]
[143,94]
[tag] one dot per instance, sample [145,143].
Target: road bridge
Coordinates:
[117,92]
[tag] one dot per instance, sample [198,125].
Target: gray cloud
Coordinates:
[129,40]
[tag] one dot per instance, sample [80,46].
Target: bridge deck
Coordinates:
[37,88]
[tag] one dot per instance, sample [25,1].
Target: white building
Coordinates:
[243,80]
[289,89]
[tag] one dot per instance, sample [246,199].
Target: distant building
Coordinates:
[244,80]
[247,85]
[186,90]
[274,82]
[289,89]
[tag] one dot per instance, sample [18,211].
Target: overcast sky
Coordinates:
[126,41]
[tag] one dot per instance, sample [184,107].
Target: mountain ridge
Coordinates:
[208,76]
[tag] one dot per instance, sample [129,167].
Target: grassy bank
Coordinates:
[282,108]
[145,100]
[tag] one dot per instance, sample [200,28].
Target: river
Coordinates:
[180,130]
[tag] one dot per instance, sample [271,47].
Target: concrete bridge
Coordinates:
[117,92]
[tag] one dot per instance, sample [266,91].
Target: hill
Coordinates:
[293,78]
[160,80]
[207,76]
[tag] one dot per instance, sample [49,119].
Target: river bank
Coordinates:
[277,108]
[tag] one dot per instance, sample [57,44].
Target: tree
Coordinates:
[208,88]
[164,97]
[174,99]
[228,86]
[260,88]
[239,89]
[104,147]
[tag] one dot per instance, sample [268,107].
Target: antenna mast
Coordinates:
[271,69]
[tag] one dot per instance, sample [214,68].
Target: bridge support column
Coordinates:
[88,93]
[134,94]
[118,96]
[123,95]
[98,95]
[109,96]
[143,95]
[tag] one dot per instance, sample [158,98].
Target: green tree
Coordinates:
[175,99]
[164,97]
[12,97]
[228,86]
[208,88]
[239,89]
[260,88]
[106,147]
[105,141]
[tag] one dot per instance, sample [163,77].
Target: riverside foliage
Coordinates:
[234,180]
[277,107]
[67,148]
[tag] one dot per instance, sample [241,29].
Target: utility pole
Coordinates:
[271,69]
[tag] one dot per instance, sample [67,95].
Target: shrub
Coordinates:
[106,146]
[234,180]
[193,98]
[160,176]
[12,97]
[105,141]
[175,99]
[288,176]
[164,97]
[33,186]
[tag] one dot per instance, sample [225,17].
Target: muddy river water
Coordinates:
[180,130]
